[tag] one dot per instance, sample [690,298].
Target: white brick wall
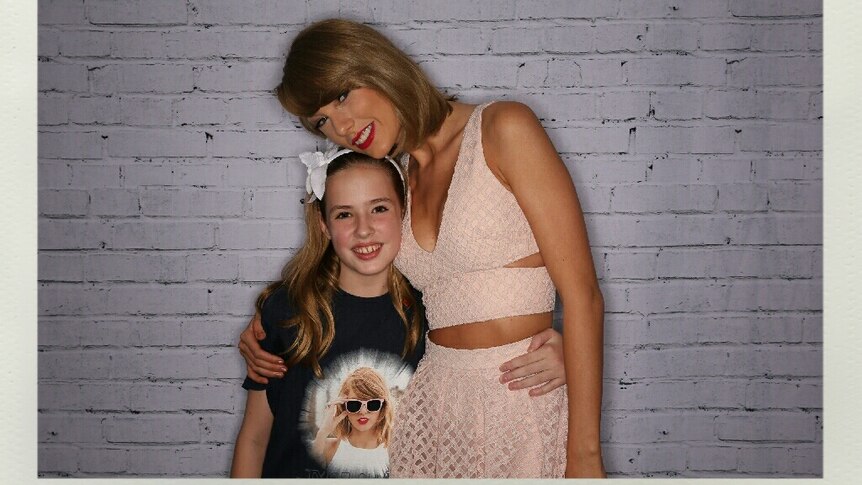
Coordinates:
[169,194]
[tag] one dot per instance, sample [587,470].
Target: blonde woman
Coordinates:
[354,436]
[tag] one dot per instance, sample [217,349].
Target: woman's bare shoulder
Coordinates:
[510,121]
[512,134]
[505,115]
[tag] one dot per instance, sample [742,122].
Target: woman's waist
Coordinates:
[490,333]
[484,359]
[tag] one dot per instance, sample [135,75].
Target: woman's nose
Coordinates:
[341,123]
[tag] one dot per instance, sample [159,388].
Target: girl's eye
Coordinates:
[342,215]
[380,208]
[342,96]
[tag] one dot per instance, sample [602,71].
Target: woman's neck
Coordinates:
[446,135]
[363,439]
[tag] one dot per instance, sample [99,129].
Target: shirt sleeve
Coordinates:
[274,312]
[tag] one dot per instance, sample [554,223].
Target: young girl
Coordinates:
[360,423]
[493,227]
[339,298]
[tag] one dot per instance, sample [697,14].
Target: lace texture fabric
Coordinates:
[457,421]
[484,295]
[482,229]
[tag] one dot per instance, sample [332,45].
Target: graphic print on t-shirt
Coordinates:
[347,416]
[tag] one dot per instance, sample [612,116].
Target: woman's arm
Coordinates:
[523,157]
[253,437]
[259,363]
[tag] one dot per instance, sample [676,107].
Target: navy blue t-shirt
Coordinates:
[368,333]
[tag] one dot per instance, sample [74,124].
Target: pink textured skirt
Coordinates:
[456,420]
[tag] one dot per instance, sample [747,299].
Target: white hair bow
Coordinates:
[317,162]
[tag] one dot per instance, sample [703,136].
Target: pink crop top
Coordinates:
[482,229]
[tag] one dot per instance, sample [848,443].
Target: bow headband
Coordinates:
[317,163]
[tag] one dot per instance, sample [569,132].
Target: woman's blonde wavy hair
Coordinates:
[311,279]
[366,383]
[332,56]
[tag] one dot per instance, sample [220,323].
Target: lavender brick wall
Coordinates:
[169,188]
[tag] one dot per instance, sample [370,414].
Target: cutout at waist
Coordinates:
[491,333]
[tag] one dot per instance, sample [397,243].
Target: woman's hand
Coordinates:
[331,419]
[322,447]
[541,368]
[259,363]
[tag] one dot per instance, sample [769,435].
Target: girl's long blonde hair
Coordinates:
[365,383]
[311,279]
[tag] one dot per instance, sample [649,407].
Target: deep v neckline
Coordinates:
[461,148]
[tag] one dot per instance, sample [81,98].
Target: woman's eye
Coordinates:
[320,122]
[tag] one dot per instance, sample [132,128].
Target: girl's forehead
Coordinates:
[361,174]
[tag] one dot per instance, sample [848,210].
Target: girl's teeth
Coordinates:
[367,249]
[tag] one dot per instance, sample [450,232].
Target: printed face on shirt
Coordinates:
[361,119]
[363,221]
[363,420]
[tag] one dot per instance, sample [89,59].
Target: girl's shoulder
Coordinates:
[277,308]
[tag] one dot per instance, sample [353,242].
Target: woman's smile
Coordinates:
[363,139]
[368,112]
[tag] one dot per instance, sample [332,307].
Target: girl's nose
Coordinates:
[363,226]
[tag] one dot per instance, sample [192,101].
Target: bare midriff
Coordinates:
[491,333]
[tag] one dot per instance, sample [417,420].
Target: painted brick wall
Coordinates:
[169,194]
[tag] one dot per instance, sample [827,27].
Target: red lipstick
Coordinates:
[368,139]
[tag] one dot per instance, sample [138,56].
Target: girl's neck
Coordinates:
[363,439]
[365,289]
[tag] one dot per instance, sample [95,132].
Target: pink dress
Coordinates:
[456,420]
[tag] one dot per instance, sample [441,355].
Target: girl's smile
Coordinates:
[367,252]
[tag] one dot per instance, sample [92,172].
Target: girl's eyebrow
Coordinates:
[370,202]
[339,207]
